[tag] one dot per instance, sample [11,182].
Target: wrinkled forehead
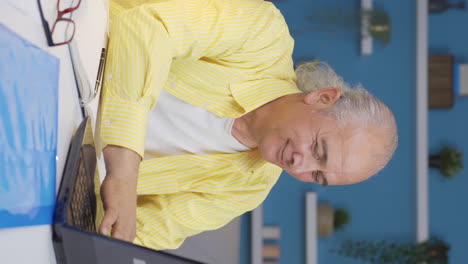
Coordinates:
[351,155]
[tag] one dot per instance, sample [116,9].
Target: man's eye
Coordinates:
[316,154]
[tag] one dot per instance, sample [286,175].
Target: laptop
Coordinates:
[74,233]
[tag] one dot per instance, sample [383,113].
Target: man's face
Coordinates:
[313,148]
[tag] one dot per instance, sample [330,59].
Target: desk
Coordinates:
[34,244]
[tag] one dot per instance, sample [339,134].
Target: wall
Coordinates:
[448,212]
[382,207]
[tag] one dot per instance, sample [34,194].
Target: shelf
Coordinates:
[311,228]
[366,38]
[422,197]
[256,236]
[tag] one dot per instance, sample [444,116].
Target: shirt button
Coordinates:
[172,84]
[107,122]
[109,76]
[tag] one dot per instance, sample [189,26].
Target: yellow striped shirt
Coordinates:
[227,56]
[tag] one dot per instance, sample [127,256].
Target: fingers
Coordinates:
[123,229]
[109,219]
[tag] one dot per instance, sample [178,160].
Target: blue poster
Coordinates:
[28,131]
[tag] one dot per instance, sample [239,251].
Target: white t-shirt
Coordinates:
[176,127]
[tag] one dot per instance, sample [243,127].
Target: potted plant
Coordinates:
[330,219]
[449,161]
[433,251]
[341,218]
[379,26]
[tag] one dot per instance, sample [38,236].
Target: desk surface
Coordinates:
[34,244]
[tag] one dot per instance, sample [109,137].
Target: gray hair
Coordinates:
[354,105]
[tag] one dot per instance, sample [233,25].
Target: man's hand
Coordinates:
[118,192]
[119,199]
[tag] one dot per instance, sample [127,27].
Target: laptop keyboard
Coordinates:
[83,202]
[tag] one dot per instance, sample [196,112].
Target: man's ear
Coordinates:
[325,97]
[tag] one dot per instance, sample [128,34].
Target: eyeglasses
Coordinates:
[63,29]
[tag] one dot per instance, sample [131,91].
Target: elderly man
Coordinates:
[201,112]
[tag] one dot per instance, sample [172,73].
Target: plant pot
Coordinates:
[325,219]
[435,161]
